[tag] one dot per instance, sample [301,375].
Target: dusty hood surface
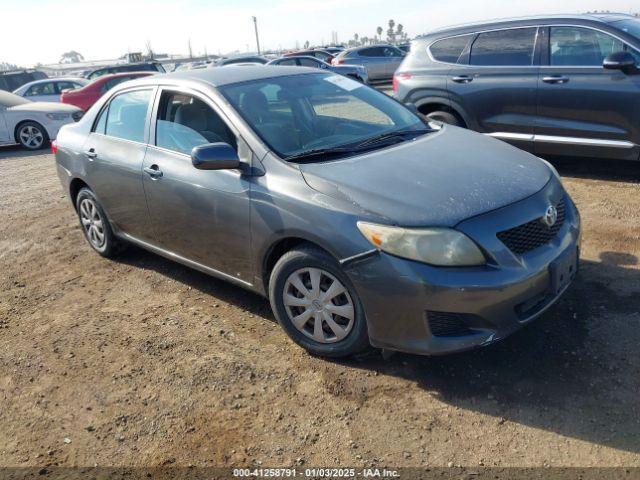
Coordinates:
[438,179]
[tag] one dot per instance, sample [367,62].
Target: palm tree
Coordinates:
[399,31]
[379,30]
[355,38]
[391,34]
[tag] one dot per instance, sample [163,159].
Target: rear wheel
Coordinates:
[444,117]
[316,304]
[32,136]
[95,225]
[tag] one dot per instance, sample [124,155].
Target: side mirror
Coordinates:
[620,61]
[215,156]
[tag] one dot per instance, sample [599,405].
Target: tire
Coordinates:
[32,136]
[444,117]
[342,336]
[95,225]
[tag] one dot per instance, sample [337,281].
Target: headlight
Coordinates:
[443,247]
[57,116]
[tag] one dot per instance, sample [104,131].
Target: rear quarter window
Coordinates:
[448,50]
[511,47]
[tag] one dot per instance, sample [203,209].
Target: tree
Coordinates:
[306,45]
[365,40]
[379,30]
[355,39]
[4,66]
[391,34]
[71,57]
[149,50]
[400,30]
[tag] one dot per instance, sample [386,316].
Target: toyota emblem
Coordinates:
[550,216]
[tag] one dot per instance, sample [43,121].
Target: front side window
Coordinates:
[307,62]
[185,122]
[449,50]
[581,47]
[511,48]
[288,62]
[299,113]
[127,115]
[372,52]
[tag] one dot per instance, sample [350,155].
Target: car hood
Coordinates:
[44,107]
[438,179]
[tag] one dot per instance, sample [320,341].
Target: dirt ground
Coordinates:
[143,362]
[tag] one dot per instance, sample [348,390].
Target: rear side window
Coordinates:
[288,62]
[307,62]
[372,52]
[41,89]
[512,48]
[449,50]
[127,115]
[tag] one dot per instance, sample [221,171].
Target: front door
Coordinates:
[114,153]
[584,109]
[495,82]
[201,215]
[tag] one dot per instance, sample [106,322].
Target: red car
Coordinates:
[86,96]
[321,54]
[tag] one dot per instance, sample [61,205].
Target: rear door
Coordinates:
[495,82]
[114,152]
[583,109]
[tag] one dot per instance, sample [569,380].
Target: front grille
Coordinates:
[533,234]
[446,324]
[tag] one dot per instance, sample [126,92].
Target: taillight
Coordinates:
[54,147]
[397,76]
[338,61]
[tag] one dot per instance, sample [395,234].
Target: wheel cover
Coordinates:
[92,223]
[318,305]
[31,136]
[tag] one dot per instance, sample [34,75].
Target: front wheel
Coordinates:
[32,136]
[316,304]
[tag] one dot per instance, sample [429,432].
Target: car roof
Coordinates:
[231,74]
[593,18]
[362,47]
[109,76]
[55,79]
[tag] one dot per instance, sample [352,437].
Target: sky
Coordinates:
[33,31]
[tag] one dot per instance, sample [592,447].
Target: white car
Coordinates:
[33,124]
[49,89]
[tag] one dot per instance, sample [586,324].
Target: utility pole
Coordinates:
[255,26]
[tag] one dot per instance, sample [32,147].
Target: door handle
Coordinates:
[153,171]
[91,154]
[463,79]
[557,79]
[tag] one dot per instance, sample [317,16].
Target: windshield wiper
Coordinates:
[391,135]
[320,152]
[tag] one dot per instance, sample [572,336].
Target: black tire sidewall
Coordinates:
[358,338]
[110,243]
[444,117]
[45,135]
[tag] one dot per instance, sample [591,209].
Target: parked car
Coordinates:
[381,61]
[360,224]
[321,54]
[49,89]
[11,80]
[356,72]
[241,59]
[32,124]
[86,96]
[125,68]
[560,85]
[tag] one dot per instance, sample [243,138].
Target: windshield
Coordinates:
[302,113]
[630,26]
[9,100]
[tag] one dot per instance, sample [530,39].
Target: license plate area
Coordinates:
[563,270]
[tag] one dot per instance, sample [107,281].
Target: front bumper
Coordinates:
[401,297]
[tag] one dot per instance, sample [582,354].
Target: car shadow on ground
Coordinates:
[597,169]
[574,371]
[16,151]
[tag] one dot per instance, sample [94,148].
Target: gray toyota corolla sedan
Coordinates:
[362,225]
